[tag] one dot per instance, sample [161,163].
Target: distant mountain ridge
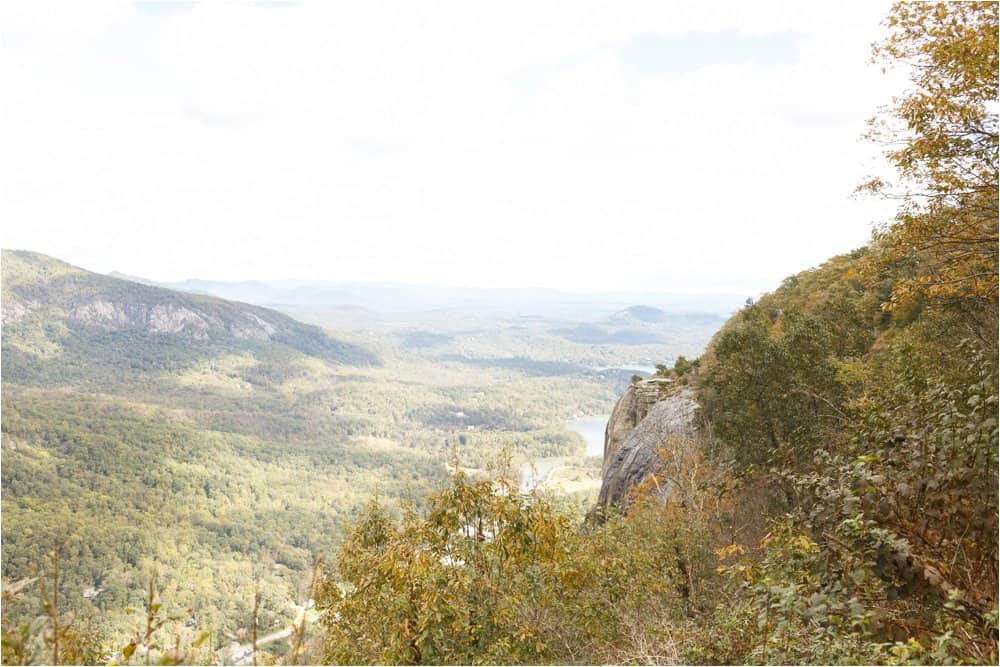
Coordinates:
[408,298]
[635,325]
[593,334]
[644,314]
[649,317]
[47,302]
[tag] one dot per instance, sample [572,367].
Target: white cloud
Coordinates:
[506,144]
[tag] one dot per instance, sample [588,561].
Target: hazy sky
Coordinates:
[587,146]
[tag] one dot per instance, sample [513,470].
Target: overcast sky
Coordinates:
[575,145]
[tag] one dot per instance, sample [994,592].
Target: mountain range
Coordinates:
[58,315]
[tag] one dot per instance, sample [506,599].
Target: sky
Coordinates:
[663,146]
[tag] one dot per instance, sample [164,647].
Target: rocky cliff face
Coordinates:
[156,312]
[630,410]
[171,318]
[646,417]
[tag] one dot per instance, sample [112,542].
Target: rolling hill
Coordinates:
[62,322]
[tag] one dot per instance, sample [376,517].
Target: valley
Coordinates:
[226,446]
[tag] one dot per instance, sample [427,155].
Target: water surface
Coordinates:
[592,430]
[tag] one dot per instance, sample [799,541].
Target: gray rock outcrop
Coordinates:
[631,409]
[159,318]
[172,318]
[631,462]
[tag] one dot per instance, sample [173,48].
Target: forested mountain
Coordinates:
[212,446]
[644,314]
[59,319]
[145,430]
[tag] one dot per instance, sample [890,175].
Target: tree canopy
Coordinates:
[941,136]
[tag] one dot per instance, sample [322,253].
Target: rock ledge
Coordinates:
[649,414]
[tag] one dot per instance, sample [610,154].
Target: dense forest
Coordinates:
[839,504]
[215,462]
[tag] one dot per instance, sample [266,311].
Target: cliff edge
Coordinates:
[646,417]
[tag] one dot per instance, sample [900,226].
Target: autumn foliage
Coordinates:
[941,135]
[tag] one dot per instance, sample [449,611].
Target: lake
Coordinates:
[592,430]
[639,369]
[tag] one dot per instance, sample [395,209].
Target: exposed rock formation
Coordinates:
[631,409]
[159,318]
[632,461]
[15,311]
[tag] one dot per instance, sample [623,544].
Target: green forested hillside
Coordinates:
[223,453]
[873,434]
[54,312]
[146,431]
